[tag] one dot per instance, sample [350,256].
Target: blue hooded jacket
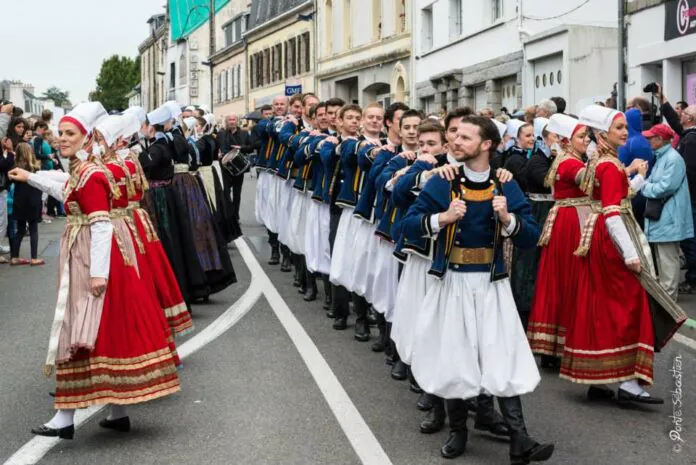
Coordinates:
[637,146]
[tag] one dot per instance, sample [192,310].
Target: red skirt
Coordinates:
[132,360]
[555,297]
[161,275]
[611,338]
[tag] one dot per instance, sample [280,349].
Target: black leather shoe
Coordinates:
[52,393]
[381,344]
[372,318]
[538,453]
[340,324]
[497,429]
[296,281]
[550,362]
[330,314]
[121,425]
[626,398]
[412,383]
[327,301]
[425,402]
[285,265]
[362,331]
[455,445]
[399,370]
[600,393]
[63,433]
[434,420]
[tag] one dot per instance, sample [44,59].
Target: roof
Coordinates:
[186,16]
[263,11]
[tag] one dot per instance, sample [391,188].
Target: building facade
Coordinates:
[661,47]
[512,53]
[229,60]
[22,95]
[280,49]
[153,51]
[364,50]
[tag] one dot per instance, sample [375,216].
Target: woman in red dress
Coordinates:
[106,346]
[553,304]
[612,337]
[153,266]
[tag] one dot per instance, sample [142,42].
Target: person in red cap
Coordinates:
[668,216]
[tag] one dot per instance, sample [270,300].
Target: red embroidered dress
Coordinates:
[111,349]
[611,338]
[556,295]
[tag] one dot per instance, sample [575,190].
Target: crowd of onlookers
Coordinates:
[30,143]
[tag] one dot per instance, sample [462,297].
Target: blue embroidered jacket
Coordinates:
[371,203]
[390,214]
[353,176]
[289,136]
[333,175]
[404,194]
[275,149]
[305,160]
[264,149]
[478,229]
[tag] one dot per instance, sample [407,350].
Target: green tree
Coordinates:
[117,77]
[59,96]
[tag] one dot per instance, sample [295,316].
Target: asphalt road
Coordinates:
[283,388]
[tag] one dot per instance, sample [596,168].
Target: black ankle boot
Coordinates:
[285,265]
[381,343]
[413,384]
[488,419]
[360,307]
[434,420]
[425,401]
[275,255]
[327,291]
[523,449]
[399,370]
[311,292]
[122,425]
[297,280]
[340,323]
[458,416]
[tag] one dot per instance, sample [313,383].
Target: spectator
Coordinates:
[266,111]
[47,117]
[26,208]
[233,136]
[637,147]
[487,113]
[28,136]
[667,187]
[42,150]
[6,164]
[16,130]
[546,109]
[560,104]
[680,106]
[645,108]
[529,114]
[504,111]
[5,117]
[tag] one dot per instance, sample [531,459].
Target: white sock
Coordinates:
[116,412]
[61,419]
[634,388]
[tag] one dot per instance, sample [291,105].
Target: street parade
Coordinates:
[488,284]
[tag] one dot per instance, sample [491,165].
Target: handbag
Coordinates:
[653,208]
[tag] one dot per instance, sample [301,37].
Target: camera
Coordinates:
[651,88]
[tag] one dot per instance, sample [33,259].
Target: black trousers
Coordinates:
[16,241]
[236,188]
[340,297]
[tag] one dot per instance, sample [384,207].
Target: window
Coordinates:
[267,76]
[225,86]
[278,62]
[239,81]
[427,28]
[304,56]
[182,69]
[218,92]
[496,10]
[228,35]
[252,78]
[172,75]
[347,24]
[291,57]
[558,77]
[455,17]
[244,23]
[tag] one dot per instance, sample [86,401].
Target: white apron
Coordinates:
[317,247]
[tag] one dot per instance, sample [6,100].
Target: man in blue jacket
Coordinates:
[667,186]
[468,322]
[637,147]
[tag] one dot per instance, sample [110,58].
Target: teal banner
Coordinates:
[188,15]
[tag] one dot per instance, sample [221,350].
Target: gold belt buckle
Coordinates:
[463,256]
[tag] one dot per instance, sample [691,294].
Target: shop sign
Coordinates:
[680,18]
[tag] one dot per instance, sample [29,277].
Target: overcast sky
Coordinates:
[63,43]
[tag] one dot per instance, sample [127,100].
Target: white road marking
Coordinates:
[364,442]
[687,341]
[36,448]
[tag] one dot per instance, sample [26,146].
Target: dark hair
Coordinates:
[504,110]
[307,95]
[486,128]
[393,108]
[560,104]
[263,108]
[682,104]
[46,115]
[318,106]
[461,112]
[641,103]
[296,98]
[158,127]
[429,127]
[12,131]
[412,113]
[350,107]
[335,102]
[199,112]
[40,125]
[312,112]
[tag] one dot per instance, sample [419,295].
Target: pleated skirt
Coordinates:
[317,246]
[298,222]
[344,246]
